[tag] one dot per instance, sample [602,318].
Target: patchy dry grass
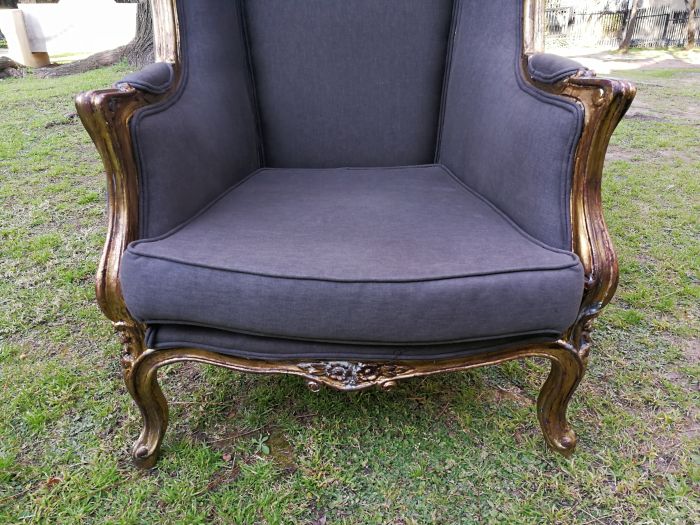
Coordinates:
[462,448]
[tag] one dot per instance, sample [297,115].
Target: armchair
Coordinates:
[355,193]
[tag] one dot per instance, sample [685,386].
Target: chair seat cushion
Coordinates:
[403,255]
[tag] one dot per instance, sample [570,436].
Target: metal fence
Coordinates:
[654,27]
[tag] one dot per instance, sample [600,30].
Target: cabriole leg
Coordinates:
[566,373]
[143,386]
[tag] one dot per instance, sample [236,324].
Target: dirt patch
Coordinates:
[644,116]
[662,111]
[651,65]
[223,477]
[511,393]
[607,61]
[281,451]
[690,429]
[692,351]
[67,120]
[617,153]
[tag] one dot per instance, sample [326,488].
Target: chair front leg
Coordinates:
[568,368]
[605,102]
[142,381]
[106,115]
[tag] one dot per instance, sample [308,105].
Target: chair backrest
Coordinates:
[348,82]
[334,83]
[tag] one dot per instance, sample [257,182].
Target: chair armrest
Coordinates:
[605,102]
[550,69]
[106,114]
[155,78]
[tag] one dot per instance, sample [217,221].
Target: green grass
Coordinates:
[461,448]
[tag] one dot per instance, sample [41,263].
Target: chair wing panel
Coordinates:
[203,138]
[510,142]
[550,69]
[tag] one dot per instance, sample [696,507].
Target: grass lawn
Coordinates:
[459,448]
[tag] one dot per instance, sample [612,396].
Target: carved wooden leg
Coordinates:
[143,386]
[567,370]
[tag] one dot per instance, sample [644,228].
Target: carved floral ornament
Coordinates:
[353,374]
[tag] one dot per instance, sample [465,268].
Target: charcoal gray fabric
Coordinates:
[381,255]
[270,348]
[351,83]
[550,69]
[154,78]
[200,141]
[510,142]
[384,262]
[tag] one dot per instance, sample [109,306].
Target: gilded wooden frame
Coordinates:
[106,115]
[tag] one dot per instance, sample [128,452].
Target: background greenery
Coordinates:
[458,448]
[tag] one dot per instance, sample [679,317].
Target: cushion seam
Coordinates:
[139,115]
[564,185]
[504,216]
[570,106]
[454,24]
[353,341]
[228,190]
[132,249]
[252,85]
[357,168]
[321,357]
[134,253]
[147,111]
[200,212]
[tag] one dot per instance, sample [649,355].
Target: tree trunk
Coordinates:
[629,30]
[6,62]
[137,53]
[692,6]
[9,68]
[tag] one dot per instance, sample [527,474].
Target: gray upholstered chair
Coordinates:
[355,192]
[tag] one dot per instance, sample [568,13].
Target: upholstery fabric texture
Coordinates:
[550,69]
[367,178]
[351,83]
[154,78]
[198,142]
[510,142]
[272,348]
[380,255]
